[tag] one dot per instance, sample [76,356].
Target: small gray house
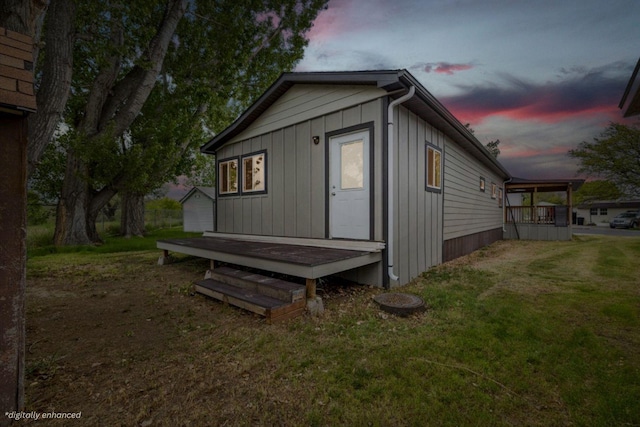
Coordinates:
[368,162]
[198,209]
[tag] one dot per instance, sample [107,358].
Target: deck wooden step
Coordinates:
[273,309]
[269,286]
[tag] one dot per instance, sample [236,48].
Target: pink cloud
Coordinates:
[441,67]
[513,152]
[588,96]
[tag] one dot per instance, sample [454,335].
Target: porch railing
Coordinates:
[531,214]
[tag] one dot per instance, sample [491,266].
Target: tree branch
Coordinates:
[132,91]
[57,71]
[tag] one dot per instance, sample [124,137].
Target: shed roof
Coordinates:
[210,192]
[395,82]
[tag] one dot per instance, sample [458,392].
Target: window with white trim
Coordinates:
[228,177]
[434,168]
[254,173]
[494,190]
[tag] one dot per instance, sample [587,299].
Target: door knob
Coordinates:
[333,193]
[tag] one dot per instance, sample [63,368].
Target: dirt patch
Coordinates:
[130,343]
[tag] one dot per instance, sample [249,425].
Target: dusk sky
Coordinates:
[541,76]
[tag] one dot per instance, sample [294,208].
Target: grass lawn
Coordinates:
[519,333]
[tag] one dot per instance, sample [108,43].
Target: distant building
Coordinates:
[198,209]
[600,212]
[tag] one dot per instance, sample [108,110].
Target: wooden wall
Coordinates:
[467,209]
[538,232]
[418,218]
[294,204]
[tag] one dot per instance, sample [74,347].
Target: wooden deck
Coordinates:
[273,298]
[310,262]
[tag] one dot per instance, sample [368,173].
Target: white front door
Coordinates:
[349,186]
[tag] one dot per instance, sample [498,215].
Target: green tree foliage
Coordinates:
[164,203]
[596,190]
[145,93]
[492,147]
[37,211]
[203,171]
[614,156]
[551,197]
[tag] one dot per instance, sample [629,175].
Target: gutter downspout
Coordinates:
[390,181]
[504,204]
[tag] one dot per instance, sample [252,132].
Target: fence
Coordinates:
[157,218]
[549,215]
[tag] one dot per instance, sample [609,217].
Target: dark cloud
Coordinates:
[578,92]
[441,67]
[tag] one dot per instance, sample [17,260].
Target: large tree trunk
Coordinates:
[97,203]
[132,215]
[72,213]
[111,108]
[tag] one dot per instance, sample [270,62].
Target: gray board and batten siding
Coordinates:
[198,209]
[294,203]
[301,106]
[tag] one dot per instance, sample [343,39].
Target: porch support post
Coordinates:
[165,258]
[570,204]
[311,288]
[315,307]
[209,273]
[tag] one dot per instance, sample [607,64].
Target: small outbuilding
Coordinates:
[199,209]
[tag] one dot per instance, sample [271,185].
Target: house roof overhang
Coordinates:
[521,185]
[395,82]
[631,98]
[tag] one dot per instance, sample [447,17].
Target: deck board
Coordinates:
[298,260]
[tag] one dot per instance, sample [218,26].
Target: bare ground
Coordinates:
[127,342]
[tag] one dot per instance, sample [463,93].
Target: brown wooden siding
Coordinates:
[460,246]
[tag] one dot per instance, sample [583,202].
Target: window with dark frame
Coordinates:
[228,176]
[494,190]
[434,168]
[500,198]
[254,172]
